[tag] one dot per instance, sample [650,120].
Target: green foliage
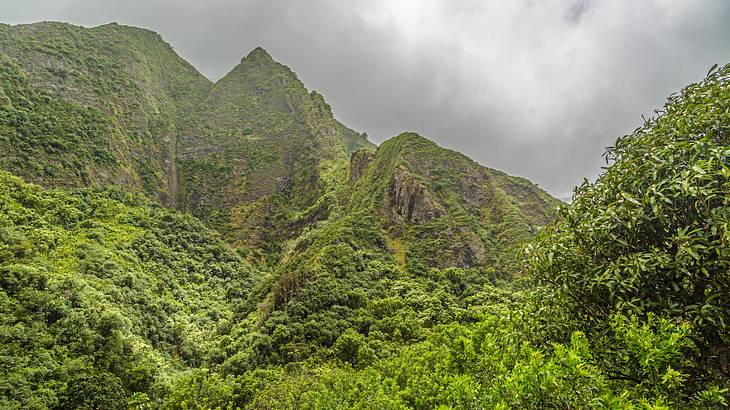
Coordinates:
[614,326]
[88,107]
[95,391]
[493,364]
[103,295]
[201,390]
[340,295]
[650,236]
[394,285]
[46,138]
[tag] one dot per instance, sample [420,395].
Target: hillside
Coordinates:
[105,294]
[442,208]
[116,105]
[375,246]
[93,106]
[256,150]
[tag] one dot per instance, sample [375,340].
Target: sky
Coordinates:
[536,88]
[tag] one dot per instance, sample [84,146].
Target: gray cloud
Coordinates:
[535,88]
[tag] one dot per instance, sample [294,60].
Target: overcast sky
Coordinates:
[535,88]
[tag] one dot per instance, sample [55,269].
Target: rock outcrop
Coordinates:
[359,161]
[409,200]
[443,209]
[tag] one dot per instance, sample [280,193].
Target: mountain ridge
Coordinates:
[249,154]
[255,155]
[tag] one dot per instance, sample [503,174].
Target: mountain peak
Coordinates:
[411,136]
[258,54]
[410,140]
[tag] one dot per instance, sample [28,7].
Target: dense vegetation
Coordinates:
[624,306]
[104,295]
[341,275]
[36,126]
[93,107]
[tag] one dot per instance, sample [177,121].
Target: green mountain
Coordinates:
[442,209]
[257,147]
[168,242]
[415,236]
[94,106]
[248,155]
[379,244]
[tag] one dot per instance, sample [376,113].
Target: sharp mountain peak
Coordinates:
[258,53]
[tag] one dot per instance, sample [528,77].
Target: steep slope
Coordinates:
[93,106]
[257,150]
[364,249]
[443,209]
[103,294]
[109,105]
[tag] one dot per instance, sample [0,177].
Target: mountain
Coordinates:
[93,106]
[160,232]
[250,155]
[116,105]
[258,146]
[442,208]
[415,236]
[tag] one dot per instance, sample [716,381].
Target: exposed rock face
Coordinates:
[409,199]
[474,252]
[359,161]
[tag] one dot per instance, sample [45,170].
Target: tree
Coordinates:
[652,234]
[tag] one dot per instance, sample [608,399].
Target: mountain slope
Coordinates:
[116,105]
[248,155]
[445,208]
[629,307]
[415,236]
[362,249]
[134,86]
[259,145]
